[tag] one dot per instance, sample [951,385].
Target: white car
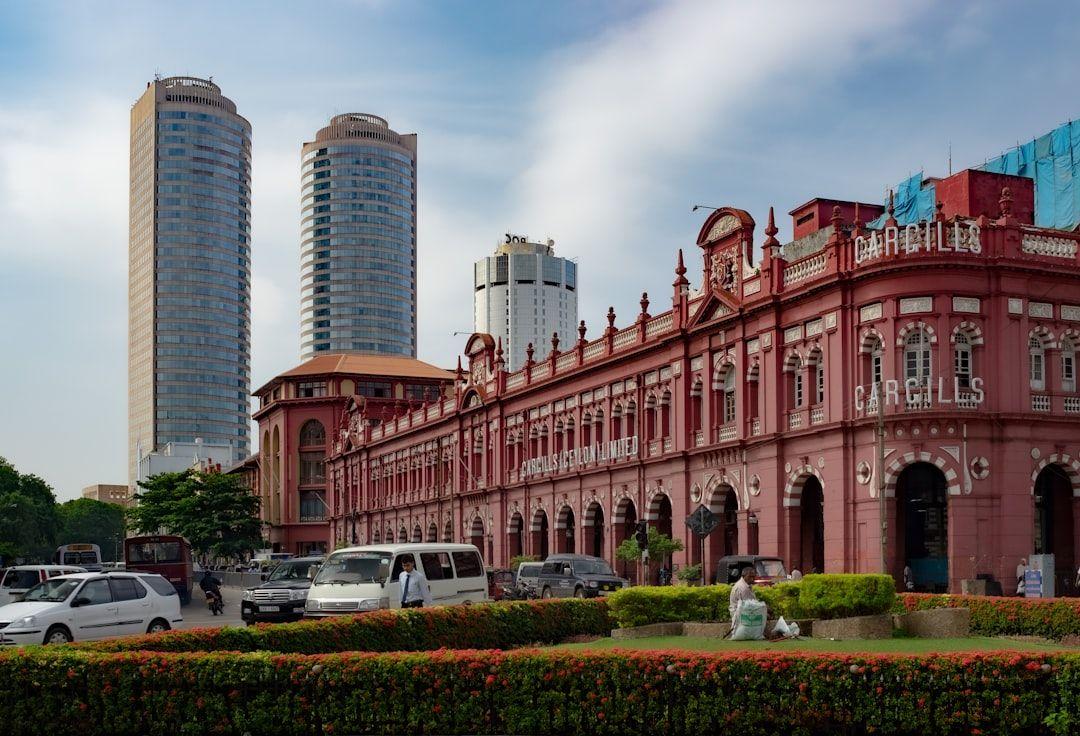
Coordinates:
[90,605]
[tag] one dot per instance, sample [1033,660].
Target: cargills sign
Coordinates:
[600,452]
[924,237]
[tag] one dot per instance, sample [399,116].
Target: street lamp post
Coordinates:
[880,479]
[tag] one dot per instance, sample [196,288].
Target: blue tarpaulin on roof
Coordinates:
[1052,160]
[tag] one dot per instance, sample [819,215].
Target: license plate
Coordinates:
[268,609]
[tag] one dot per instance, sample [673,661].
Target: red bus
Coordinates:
[168,556]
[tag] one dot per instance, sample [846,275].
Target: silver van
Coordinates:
[366,578]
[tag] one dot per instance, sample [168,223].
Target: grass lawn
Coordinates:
[870,646]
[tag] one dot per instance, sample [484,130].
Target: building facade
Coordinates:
[108,493]
[189,269]
[299,412]
[522,296]
[358,239]
[921,375]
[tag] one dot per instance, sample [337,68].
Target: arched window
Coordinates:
[873,351]
[794,366]
[818,364]
[598,426]
[1068,365]
[586,429]
[665,414]
[729,395]
[1037,364]
[312,434]
[650,417]
[962,359]
[917,356]
[752,384]
[695,406]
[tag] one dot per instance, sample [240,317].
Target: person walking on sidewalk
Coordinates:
[415,591]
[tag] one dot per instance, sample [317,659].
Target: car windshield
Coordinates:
[353,567]
[529,571]
[771,568]
[21,579]
[55,590]
[592,567]
[291,571]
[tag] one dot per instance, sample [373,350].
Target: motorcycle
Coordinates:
[519,593]
[215,603]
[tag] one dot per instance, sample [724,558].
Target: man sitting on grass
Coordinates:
[742,590]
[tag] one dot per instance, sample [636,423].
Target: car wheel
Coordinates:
[57,635]
[157,626]
[579,592]
[546,593]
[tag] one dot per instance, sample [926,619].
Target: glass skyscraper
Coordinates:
[189,271]
[358,239]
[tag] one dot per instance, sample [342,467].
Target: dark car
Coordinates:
[578,576]
[767,570]
[282,596]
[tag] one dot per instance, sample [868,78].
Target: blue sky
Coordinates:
[597,124]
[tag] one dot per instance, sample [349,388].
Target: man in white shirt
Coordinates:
[741,591]
[1021,570]
[415,591]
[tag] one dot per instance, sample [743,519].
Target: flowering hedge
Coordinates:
[816,596]
[84,693]
[490,626]
[1052,618]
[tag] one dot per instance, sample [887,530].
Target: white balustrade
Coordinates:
[1044,245]
[817,415]
[1040,402]
[804,269]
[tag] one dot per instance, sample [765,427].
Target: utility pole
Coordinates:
[880,473]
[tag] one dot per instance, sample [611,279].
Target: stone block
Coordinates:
[857,627]
[642,632]
[712,631]
[937,623]
[973,587]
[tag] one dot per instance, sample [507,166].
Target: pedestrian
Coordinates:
[909,578]
[741,591]
[795,575]
[415,591]
[1021,571]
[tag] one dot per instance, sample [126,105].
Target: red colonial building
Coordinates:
[298,412]
[933,363]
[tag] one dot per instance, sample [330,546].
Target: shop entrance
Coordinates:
[922,526]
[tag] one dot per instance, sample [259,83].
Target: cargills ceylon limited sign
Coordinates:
[599,452]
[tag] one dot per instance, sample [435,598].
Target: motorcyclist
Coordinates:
[211,585]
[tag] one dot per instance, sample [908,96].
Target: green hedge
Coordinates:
[816,596]
[489,626]
[1052,618]
[65,691]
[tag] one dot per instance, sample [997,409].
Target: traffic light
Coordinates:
[642,535]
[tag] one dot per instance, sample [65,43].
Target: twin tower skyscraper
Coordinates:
[189,263]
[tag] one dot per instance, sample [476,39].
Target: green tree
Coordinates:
[96,522]
[213,511]
[661,546]
[29,521]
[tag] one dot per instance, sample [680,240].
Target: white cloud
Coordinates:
[618,117]
[60,176]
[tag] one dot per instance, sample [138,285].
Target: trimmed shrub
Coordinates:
[84,693]
[841,596]
[816,596]
[1052,618]
[490,626]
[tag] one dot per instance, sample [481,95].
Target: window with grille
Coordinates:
[311,389]
[917,356]
[962,360]
[1037,364]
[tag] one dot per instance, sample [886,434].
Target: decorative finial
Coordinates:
[939,216]
[771,231]
[891,221]
[680,273]
[611,318]
[644,304]
[1006,202]
[858,219]
[499,351]
[554,343]
[581,331]
[529,354]
[460,373]
[837,219]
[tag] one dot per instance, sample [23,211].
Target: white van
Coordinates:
[15,581]
[366,578]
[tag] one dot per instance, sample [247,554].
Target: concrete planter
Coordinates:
[938,623]
[643,632]
[714,630]
[857,627]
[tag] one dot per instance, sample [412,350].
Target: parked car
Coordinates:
[366,578]
[578,576]
[528,575]
[500,582]
[15,581]
[281,597]
[90,605]
[767,570]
